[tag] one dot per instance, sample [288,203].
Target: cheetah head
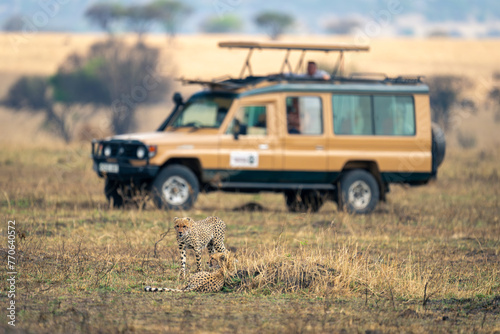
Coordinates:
[223,260]
[182,226]
[216,260]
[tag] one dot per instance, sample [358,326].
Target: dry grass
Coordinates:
[428,260]
[43,52]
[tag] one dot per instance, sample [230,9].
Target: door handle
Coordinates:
[263,147]
[320,147]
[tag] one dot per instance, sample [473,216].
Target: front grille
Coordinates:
[121,150]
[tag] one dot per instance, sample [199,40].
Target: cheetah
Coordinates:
[205,281]
[197,235]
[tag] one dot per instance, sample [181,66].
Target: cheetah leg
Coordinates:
[183,261]
[198,260]
[210,247]
[219,247]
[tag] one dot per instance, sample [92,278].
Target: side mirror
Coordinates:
[177,98]
[236,129]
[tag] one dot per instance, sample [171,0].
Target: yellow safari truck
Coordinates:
[312,138]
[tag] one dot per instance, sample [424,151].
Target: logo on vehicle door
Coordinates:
[244,159]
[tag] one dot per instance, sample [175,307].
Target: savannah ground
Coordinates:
[82,266]
[427,260]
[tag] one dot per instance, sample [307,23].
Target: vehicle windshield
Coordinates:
[203,111]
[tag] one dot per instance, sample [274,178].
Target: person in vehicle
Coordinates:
[293,117]
[315,73]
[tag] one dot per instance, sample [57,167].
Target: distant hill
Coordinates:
[311,14]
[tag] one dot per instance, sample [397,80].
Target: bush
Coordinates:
[494,97]
[446,96]
[28,93]
[466,140]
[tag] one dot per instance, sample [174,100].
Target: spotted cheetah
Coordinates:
[197,235]
[205,281]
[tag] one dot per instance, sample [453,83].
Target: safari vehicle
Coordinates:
[344,139]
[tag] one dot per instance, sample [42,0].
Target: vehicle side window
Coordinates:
[304,115]
[251,120]
[352,115]
[394,115]
[362,115]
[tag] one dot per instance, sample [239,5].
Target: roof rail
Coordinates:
[232,84]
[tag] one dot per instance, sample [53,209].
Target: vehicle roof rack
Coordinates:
[227,82]
[231,84]
[341,48]
[383,78]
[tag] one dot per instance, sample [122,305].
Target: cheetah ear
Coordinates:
[175,219]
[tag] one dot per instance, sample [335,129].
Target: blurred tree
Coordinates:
[342,26]
[14,23]
[32,94]
[439,33]
[171,13]
[447,96]
[140,18]
[113,75]
[104,15]
[225,24]
[275,23]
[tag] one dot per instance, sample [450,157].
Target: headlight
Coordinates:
[141,152]
[107,151]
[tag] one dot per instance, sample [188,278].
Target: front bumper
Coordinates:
[127,172]
[129,168]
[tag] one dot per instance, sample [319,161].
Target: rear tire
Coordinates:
[359,192]
[175,188]
[438,146]
[303,201]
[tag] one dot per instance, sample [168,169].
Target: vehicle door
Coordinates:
[248,145]
[305,151]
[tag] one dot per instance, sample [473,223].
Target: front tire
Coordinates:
[112,191]
[175,188]
[359,192]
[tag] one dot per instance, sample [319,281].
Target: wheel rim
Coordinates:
[360,195]
[175,190]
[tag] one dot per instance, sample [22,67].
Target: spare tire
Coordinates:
[438,147]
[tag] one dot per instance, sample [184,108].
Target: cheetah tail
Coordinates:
[154,289]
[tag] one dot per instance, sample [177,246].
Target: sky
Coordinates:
[395,17]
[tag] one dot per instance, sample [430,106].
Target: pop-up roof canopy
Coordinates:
[294,47]
[228,83]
